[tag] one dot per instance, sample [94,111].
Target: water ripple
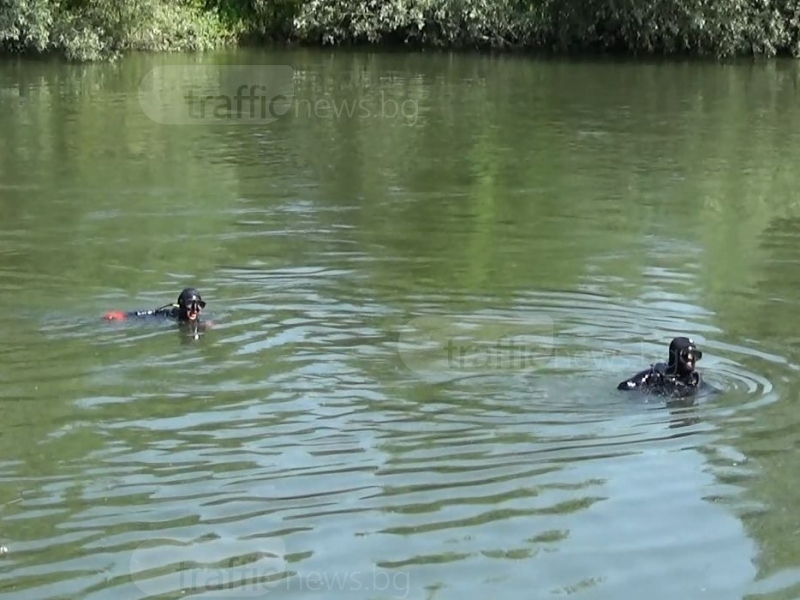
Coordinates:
[331,423]
[373,412]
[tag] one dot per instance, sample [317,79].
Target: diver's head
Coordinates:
[683,356]
[190,304]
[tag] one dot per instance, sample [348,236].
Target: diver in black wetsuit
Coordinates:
[677,378]
[186,310]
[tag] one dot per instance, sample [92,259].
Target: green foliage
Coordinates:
[496,23]
[180,27]
[694,27]
[261,18]
[92,29]
[25,24]
[96,29]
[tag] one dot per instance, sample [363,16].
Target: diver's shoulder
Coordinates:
[171,311]
[639,380]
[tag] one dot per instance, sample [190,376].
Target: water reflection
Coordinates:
[409,387]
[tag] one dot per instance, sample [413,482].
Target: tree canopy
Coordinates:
[97,29]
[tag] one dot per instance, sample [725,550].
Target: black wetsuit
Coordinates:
[676,379]
[171,311]
[659,380]
[179,311]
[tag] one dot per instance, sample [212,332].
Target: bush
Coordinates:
[93,29]
[25,25]
[271,19]
[483,23]
[97,29]
[697,27]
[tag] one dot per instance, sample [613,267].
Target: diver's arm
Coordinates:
[140,313]
[168,310]
[637,381]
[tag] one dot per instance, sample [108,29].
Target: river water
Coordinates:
[425,275]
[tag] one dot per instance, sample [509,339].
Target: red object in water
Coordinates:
[115,315]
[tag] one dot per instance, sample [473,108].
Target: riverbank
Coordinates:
[86,30]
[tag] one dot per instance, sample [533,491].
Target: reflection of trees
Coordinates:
[93,195]
[515,173]
[519,175]
[507,187]
[127,199]
[765,309]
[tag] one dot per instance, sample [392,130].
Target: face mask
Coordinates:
[690,355]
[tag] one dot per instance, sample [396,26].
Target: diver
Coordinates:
[677,378]
[186,309]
